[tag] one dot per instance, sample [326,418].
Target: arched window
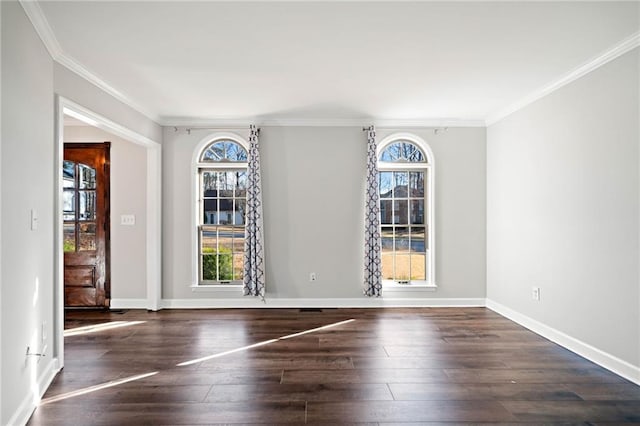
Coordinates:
[405,170]
[222,191]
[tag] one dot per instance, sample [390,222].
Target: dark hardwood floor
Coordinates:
[386,366]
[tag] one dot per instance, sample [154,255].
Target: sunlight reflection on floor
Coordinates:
[266,342]
[95,388]
[99,327]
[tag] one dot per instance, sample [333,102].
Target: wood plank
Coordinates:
[574,411]
[467,392]
[300,392]
[408,411]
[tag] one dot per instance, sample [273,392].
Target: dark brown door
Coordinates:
[85,214]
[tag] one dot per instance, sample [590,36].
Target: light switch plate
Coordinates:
[128,219]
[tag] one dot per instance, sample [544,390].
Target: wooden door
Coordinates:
[86,225]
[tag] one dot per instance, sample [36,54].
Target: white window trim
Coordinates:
[430,283]
[196,165]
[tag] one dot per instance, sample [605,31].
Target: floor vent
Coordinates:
[310,310]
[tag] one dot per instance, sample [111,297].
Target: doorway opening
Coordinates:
[81,231]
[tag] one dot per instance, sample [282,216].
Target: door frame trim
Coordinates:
[153,202]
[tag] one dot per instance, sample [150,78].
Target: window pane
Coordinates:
[226,184]
[401,182]
[387,155]
[210,216]
[87,237]
[386,184]
[225,238]
[69,205]
[208,239]
[402,152]
[400,212]
[238,240]
[69,244]
[416,184]
[417,212]
[403,267]
[392,153]
[418,242]
[241,184]
[225,266]
[418,266]
[240,210]
[213,153]
[87,205]
[238,266]
[413,154]
[402,240]
[87,176]
[209,267]
[386,211]
[387,266]
[68,174]
[235,152]
[225,214]
[209,184]
[387,239]
[224,151]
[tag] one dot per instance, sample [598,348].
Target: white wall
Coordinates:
[27,183]
[128,196]
[77,89]
[313,192]
[563,210]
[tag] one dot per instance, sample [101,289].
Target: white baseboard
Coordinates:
[129,303]
[30,402]
[604,359]
[364,302]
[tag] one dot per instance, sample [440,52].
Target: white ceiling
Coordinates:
[184,62]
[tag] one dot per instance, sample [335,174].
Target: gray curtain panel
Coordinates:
[254,279]
[372,265]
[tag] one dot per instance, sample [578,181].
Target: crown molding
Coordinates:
[74,66]
[320,122]
[43,29]
[609,55]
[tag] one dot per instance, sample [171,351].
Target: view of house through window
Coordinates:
[222,173]
[403,173]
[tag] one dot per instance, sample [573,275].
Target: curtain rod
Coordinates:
[437,130]
[189,129]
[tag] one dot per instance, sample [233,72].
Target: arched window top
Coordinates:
[223,151]
[402,151]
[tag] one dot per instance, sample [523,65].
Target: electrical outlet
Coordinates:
[535,293]
[313,277]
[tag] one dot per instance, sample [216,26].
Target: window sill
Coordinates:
[216,287]
[395,287]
